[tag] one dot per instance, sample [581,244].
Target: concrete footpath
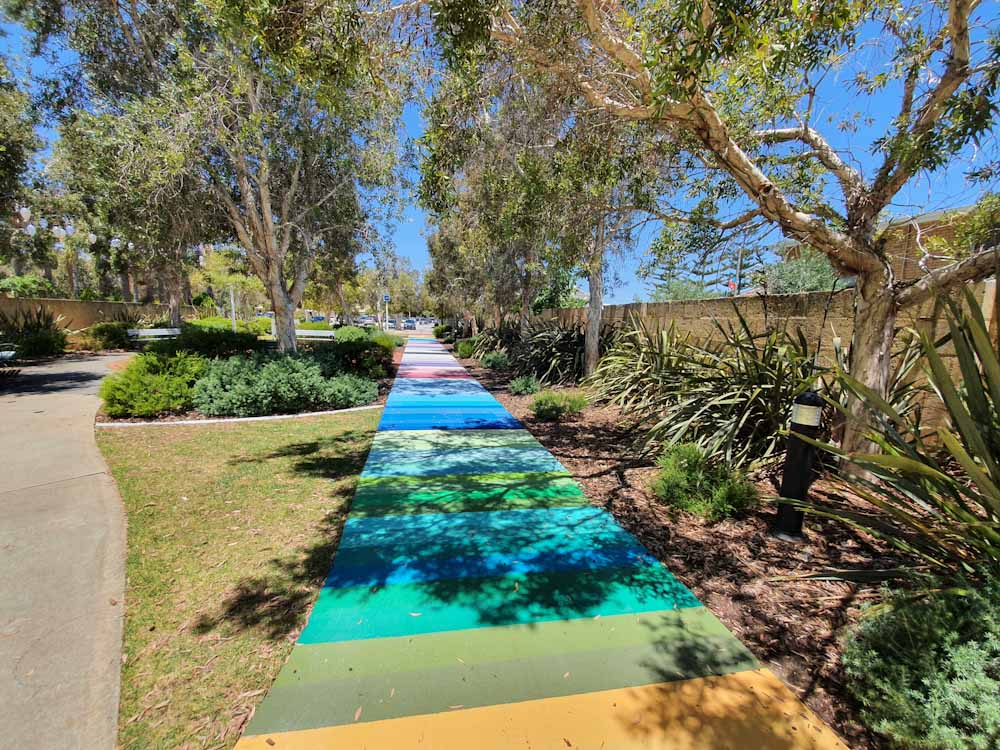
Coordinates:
[62,562]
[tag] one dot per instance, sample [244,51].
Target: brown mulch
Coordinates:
[793,627]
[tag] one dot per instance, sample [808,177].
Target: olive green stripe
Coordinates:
[422,440]
[325,684]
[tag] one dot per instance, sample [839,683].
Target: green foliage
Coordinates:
[386,340]
[34,333]
[209,342]
[256,326]
[351,333]
[554,406]
[807,271]
[465,348]
[927,671]
[524,385]
[111,335]
[29,285]
[367,357]
[441,330]
[682,289]
[730,395]
[496,360]
[308,325]
[688,480]
[937,495]
[548,351]
[152,384]
[258,385]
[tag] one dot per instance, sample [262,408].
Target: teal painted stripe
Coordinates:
[411,609]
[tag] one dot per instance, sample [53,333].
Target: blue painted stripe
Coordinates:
[370,568]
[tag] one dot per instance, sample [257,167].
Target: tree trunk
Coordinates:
[284,317]
[595,307]
[175,290]
[871,352]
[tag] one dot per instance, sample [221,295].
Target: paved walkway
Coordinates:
[477,600]
[62,569]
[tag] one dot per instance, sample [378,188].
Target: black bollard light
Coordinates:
[800,457]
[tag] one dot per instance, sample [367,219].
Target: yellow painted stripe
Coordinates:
[750,710]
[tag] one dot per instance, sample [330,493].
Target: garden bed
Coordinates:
[794,628]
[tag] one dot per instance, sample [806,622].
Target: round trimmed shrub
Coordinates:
[152,384]
[688,480]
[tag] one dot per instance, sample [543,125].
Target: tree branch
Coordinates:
[979,266]
[851,181]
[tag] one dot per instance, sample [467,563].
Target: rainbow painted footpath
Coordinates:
[477,600]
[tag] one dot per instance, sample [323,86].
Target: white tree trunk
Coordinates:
[175,290]
[595,309]
[284,318]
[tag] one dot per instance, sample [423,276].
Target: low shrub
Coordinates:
[110,335]
[927,671]
[34,333]
[496,361]
[367,357]
[351,333]
[152,384]
[441,330]
[258,326]
[689,480]
[524,385]
[389,340]
[464,348]
[552,406]
[29,285]
[309,325]
[209,342]
[257,385]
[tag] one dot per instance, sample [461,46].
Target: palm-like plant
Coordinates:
[937,495]
[729,395]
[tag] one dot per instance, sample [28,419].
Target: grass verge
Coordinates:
[231,530]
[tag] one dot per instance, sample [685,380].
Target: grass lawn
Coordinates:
[231,530]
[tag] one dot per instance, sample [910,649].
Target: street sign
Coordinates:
[385,297]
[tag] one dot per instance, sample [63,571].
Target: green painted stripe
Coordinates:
[405,495]
[422,440]
[324,685]
[473,504]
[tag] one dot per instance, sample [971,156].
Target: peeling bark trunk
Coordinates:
[871,351]
[284,317]
[175,291]
[595,307]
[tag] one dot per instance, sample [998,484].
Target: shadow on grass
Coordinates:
[277,601]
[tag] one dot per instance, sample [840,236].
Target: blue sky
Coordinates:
[940,190]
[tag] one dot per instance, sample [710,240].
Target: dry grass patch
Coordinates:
[231,530]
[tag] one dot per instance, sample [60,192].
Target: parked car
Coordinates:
[409,324]
[393,323]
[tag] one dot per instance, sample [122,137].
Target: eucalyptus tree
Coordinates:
[284,158]
[18,144]
[751,86]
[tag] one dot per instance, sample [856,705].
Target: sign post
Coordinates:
[385,320]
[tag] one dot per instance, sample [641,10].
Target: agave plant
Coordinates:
[935,497]
[729,395]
